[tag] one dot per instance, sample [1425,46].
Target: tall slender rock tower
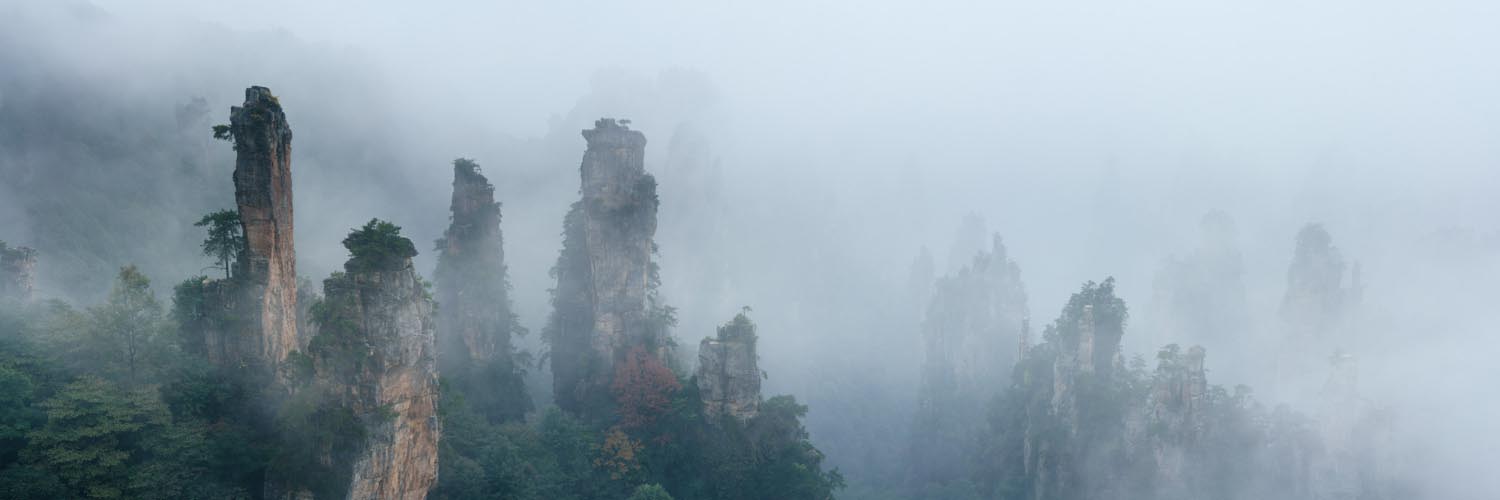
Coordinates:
[263,193]
[973,322]
[476,322]
[605,277]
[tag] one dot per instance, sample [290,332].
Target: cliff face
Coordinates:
[261,298]
[605,274]
[476,322]
[386,374]
[263,192]
[17,269]
[728,374]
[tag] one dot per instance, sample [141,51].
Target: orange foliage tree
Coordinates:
[643,389]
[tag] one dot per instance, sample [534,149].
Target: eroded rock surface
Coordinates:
[392,387]
[728,371]
[17,272]
[602,303]
[476,322]
[263,193]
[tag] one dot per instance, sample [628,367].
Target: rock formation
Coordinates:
[1061,416]
[251,318]
[475,320]
[1175,416]
[17,269]
[375,354]
[1316,299]
[604,299]
[728,374]
[1316,312]
[973,322]
[263,192]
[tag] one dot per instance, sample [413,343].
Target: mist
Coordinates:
[807,155]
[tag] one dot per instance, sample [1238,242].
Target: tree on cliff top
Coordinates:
[377,246]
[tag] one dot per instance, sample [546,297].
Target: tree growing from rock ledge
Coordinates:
[225,241]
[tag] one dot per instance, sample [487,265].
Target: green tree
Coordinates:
[121,339]
[377,246]
[86,440]
[226,239]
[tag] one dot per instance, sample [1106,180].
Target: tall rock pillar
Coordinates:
[605,273]
[476,322]
[263,193]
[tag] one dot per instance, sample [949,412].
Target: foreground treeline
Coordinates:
[109,401]
[256,383]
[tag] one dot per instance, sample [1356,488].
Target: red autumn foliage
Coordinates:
[643,389]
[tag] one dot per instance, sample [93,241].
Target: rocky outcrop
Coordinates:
[1175,416]
[17,272]
[1062,414]
[476,322]
[603,303]
[728,373]
[263,193]
[1317,313]
[1316,299]
[375,353]
[973,322]
[251,319]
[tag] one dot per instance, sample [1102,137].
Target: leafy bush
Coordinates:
[378,246]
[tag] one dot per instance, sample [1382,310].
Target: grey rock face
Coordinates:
[471,269]
[728,378]
[475,322]
[605,272]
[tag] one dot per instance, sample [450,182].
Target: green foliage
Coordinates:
[223,133]
[226,238]
[125,338]
[87,439]
[738,329]
[378,246]
[310,425]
